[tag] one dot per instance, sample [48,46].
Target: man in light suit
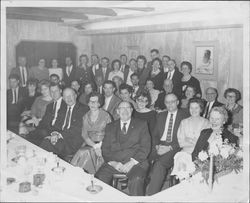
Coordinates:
[95,65]
[165,143]
[104,70]
[22,71]
[125,148]
[69,72]
[111,100]
[65,136]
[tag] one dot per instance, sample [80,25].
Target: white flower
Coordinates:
[224,152]
[213,149]
[203,156]
[240,153]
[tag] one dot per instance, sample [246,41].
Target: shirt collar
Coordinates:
[128,122]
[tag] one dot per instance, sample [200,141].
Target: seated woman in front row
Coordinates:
[217,133]
[89,156]
[189,132]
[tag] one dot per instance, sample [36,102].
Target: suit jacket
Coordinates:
[68,79]
[16,70]
[140,89]
[176,79]
[84,76]
[14,110]
[100,73]
[160,127]
[202,142]
[113,104]
[72,136]
[134,144]
[216,103]
[46,122]
[158,80]
[143,76]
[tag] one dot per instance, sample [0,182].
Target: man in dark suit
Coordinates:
[165,143]
[168,88]
[68,72]
[22,71]
[124,66]
[175,75]
[111,100]
[154,53]
[48,121]
[65,136]
[211,101]
[15,102]
[125,148]
[143,70]
[104,70]
[137,89]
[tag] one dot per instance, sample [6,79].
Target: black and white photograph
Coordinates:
[124,101]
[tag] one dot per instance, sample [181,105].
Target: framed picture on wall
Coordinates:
[206,59]
[133,52]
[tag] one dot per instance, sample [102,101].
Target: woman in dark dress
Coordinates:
[143,112]
[188,79]
[217,132]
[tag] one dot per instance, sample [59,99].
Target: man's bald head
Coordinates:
[69,96]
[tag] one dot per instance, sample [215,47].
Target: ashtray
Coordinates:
[58,169]
[94,189]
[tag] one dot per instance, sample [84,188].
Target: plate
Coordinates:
[94,189]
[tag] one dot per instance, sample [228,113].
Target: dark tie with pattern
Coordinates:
[207,110]
[124,131]
[169,132]
[67,118]
[54,108]
[23,78]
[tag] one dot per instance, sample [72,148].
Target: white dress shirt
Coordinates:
[15,96]
[107,101]
[164,136]
[23,71]
[95,67]
[58,105]
[72,107]
[171,74]
[69,69]
[127,124]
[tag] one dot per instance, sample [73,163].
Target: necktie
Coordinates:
[124,131]
[207,110]
[169,74]
[54,108]
[170,125]
[23,78]
[68,70]
[66,122]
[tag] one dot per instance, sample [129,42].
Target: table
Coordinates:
[71,187]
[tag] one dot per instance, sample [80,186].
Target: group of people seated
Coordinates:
[131,119]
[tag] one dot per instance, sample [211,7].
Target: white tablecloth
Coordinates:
[72,187]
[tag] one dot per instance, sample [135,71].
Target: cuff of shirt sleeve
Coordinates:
[134,161]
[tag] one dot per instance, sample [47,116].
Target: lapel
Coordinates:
[177,119]
[111,103]
[131,126]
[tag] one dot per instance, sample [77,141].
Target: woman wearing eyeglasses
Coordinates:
[143,101]
[235,110]
[89,156]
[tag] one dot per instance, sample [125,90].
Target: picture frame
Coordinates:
[206,60]
[133,51]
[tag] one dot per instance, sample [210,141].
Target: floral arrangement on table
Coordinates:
[220,159]
[225,157]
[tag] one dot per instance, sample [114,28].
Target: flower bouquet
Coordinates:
[220,159]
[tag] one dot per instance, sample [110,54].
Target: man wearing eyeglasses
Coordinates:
[125,148]
[211,101]
[165,143]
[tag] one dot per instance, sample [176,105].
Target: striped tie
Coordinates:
[170,125]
